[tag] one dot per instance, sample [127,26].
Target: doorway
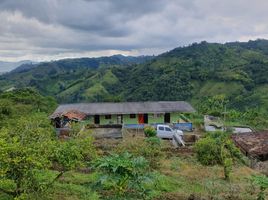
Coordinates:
[167,118]
[141,119]
[119,119]
[96,119]
[145,116]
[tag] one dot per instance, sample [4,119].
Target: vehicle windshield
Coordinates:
[168,129]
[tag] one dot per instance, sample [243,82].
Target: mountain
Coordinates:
[8,66]
[238,71]
[56,77]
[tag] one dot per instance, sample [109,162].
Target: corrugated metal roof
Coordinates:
[75,115]
[254,143]
[125,108]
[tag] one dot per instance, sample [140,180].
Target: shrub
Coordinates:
[149,148]
[24,153]
[262,183]
[149,131]
[123,173]
[207,150]
[218,148]
[227,165]
[73,153]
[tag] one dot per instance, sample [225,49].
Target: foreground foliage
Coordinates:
[123,173]
[262,183]
[29,148]
[24,153]
[149,148]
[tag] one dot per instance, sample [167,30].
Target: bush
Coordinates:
[73,153]
[149,131]
[149,148]
[262,182]
[25,148]
[123,173]
[207,150]
[218,148]
[227,165]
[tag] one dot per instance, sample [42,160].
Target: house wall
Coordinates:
[152,119]
[113,120]
[174,117]
[155,118]
[128,120]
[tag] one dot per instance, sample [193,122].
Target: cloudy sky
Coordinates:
[53,29]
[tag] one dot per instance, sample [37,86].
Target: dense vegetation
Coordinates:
[29,148]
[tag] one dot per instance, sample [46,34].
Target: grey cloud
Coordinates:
[50,28]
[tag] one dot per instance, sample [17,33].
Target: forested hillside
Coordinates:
[236,73]
[65,78]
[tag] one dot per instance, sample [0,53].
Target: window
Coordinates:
[161,128]
[157,115]
[132,116]
[167,129]
[108,116]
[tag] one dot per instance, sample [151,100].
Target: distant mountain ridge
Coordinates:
[9,66]
[63,72]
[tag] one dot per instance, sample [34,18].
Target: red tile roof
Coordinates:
[75,115]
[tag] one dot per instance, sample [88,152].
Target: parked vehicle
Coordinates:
[166,132]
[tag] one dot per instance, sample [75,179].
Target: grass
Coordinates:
[208,181]
[94,91]
[179,176]
[75,185]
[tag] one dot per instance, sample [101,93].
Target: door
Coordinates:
[145,116]
[168,132]
[167,118]
[57,122]
[119,119]
[96,119]
[141,119]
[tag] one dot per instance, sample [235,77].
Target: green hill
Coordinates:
[68,76]
[238,71]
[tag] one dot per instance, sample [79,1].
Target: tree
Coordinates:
[73,153]
[218,148]
[213,105]
[24,153]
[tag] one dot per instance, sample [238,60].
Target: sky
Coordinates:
[42,30]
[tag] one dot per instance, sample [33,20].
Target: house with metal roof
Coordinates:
[123,113]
